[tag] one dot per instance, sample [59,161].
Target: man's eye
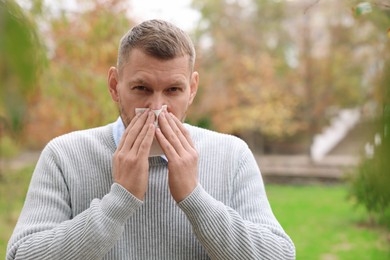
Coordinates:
[174,89]
[140,88]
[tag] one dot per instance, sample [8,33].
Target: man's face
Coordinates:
[147,82]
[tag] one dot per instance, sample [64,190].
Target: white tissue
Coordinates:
[155,149]
[156,112]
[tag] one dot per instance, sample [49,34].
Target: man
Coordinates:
[110,193]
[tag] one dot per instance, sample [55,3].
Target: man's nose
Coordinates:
[156,102]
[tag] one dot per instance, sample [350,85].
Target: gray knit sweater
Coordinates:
[74,210]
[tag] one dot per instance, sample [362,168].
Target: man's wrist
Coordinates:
[119,204]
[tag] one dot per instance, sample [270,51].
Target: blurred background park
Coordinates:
[306,83]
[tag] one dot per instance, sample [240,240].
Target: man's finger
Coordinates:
[183,130]
[146,144]
[142,135]
[171,134]
[167,148]
[184,134]
[133,131]
[123,138]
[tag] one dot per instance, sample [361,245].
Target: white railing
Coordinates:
[332,135]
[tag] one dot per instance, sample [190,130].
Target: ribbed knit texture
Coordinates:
[74,210]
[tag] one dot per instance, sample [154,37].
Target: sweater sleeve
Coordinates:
[245,230]
[46,228]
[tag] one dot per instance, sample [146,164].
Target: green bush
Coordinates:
[203,122]
[370,183]
[22,59]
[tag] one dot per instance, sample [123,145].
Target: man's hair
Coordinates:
[159,39]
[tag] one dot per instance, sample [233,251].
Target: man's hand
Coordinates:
[182,156]
[130,161]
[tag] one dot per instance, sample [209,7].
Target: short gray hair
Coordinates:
[159,39]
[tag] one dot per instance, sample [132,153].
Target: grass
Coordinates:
[321,221]
[13,189]
[325,224]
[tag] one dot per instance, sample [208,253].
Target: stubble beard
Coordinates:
[124,116]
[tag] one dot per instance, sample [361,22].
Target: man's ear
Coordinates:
[113,80]
[193,86]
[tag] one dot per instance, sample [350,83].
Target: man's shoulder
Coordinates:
[96,135]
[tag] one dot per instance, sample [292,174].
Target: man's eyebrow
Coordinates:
[177,82]
[137,81]
[140,81]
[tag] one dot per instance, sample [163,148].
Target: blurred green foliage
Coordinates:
[8,147]
[371,181]
[22,58]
